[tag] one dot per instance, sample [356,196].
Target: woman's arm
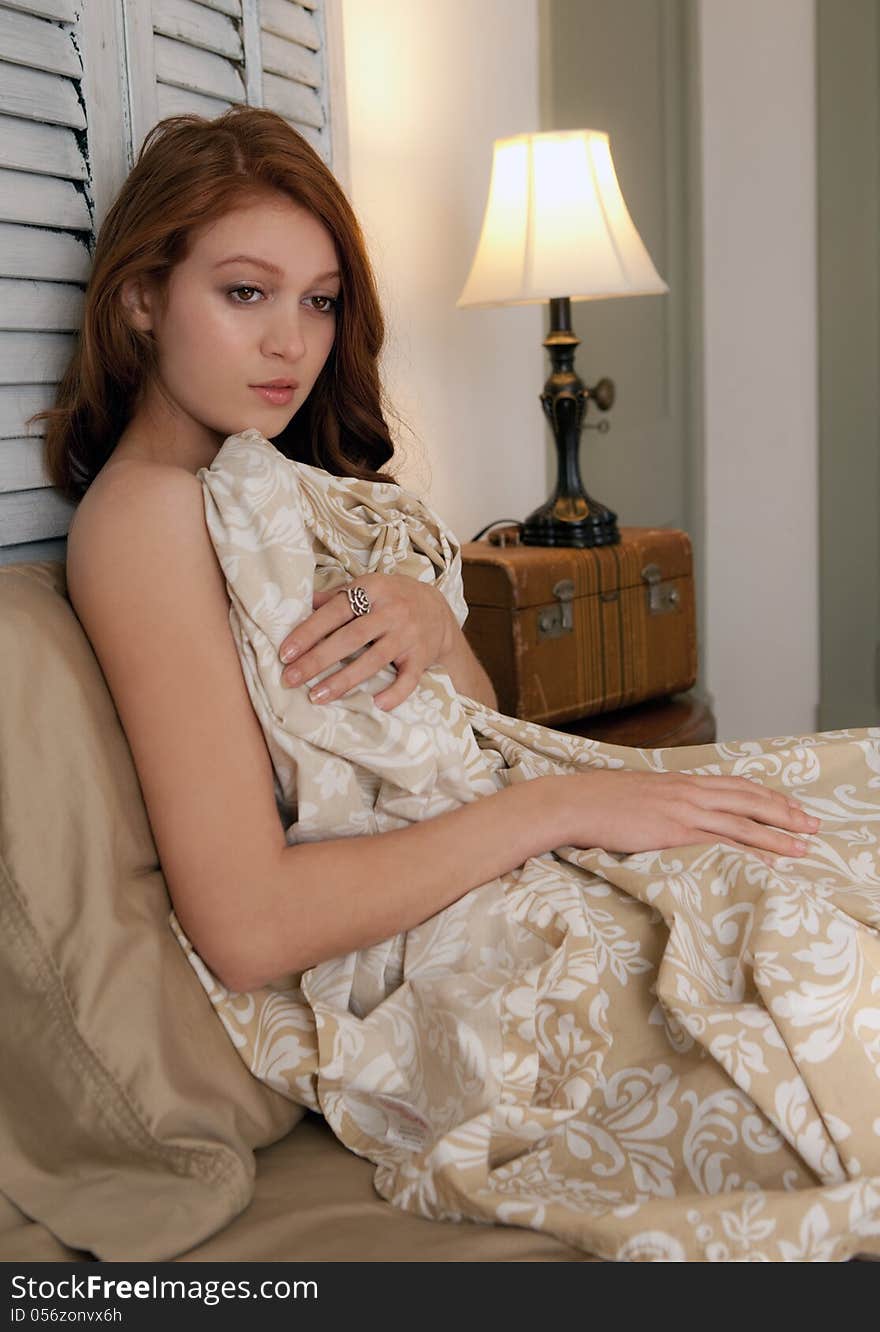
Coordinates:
[327,898]
[144,580]
[324,899]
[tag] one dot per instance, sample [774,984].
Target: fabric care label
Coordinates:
[389,1119]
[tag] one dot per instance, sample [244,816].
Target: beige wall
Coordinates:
[758,117]
[428,88]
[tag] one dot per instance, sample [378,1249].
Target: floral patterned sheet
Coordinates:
[671,1055]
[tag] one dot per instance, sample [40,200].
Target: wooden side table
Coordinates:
[682,719]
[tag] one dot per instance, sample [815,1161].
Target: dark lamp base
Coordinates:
[571,521]
[570,517]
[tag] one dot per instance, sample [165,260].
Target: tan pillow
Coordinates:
[127,1119]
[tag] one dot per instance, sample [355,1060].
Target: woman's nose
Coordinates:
[285,338]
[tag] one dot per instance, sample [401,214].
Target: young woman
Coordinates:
[230,261]
[231,293]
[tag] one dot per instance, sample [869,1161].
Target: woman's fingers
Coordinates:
[340,643]
[340,682]
[327,593]
[753,835]
[388,645]
[756,801]
[756,816]
[408,676]
[332,611]
[749,785]
[407,627]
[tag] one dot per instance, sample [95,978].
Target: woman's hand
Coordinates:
[619,810]
[410,625]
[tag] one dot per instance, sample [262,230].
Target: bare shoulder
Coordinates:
[144,580]
[122,490]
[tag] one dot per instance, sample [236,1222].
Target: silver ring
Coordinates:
[359,601]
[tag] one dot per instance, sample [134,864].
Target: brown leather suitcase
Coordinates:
[565,632]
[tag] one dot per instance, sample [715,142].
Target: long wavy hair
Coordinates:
[191,171]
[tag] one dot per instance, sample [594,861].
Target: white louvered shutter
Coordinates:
[211,55]
[44,229]
[81,83]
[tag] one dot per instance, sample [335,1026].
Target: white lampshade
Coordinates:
[556,225]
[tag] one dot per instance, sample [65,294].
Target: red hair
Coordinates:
[190,171]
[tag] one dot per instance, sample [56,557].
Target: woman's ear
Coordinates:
[137,304]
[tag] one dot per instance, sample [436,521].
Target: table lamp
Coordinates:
[556,221]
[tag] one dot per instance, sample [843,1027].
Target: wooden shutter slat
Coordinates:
[47,306]
[43,171]
[292,21]
[36,95]
[34,358]
[290,61]
[21,464]
[28,515]
[36,44]
[180,101]
[293,100]
[63,11]
[34,550]
[39,199]
[19,402]
[186,67]
[49,150]
[183,20]
[230,7]
[34,252]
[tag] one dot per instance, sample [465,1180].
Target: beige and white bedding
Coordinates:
[671,1055]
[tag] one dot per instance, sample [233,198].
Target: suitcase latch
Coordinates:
[556,620]
[662,597]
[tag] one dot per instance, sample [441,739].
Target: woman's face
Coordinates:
[230,323]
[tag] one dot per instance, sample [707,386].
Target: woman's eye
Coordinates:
[234,290]
[330,303]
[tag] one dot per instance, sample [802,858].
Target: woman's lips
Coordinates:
[279,396]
